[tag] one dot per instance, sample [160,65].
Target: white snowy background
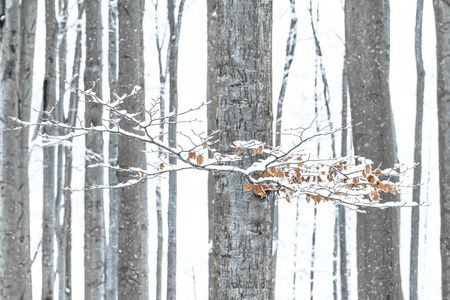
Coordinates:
[192,223]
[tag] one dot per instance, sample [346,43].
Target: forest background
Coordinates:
[297,222]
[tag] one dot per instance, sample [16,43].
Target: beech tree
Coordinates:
[442,16]
[94,220]
[367,69]
[17,35]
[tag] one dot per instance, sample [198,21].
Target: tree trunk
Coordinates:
[49,102]
[243,223]
[94,222]
[290,51]
[15,264]
[59,227]
[377,230]
[73,109]
[442,16]
[28,16]
[144,199]
[129,266]
[341,209]
[162,85]
[415,216]
[111,254]
[211,124]
[174,32]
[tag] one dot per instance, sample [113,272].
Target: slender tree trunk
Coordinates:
[15,265]
[49,101]
[291,42]
[243,222]
[59,227]
[73,109]
[129,268]
[162,84]
[211,124]
[111,251]
[94,221]
[294,281]
[174,32]
[415,214]
[341,209]
[442,16]
[377,230]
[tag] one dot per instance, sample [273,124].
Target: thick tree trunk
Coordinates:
[111,254]
[15,264]
[49,101]
[94,222]
[211,123]
[129,268]
[243,223]
[442,16]
[28,16]
[377,230]
[415,216]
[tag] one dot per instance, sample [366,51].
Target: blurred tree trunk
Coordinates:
[415,213]
[94,220]
[49,102]
[341,209]
[174,33]
[211,123]
[291,42]
[442,16]
[17,34]
[111,251]
[59,227]
[377,230]
[71,116]
[162,85]
[129,268]
[243,223]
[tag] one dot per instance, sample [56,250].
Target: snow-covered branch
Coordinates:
[286,170]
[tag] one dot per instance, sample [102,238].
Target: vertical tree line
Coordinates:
[242,228]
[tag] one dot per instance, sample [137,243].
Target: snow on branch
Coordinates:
[286,170]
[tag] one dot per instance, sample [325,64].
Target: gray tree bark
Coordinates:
[174,32]
[162,85]
[28,16]
[16,35]
[243,223]
[111,251]
[73,109]
[129,268]
[442,17]
[211,123]
[59,226]
[94,221]
[341,209]
[415,213]
[49,102]
[377,230]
